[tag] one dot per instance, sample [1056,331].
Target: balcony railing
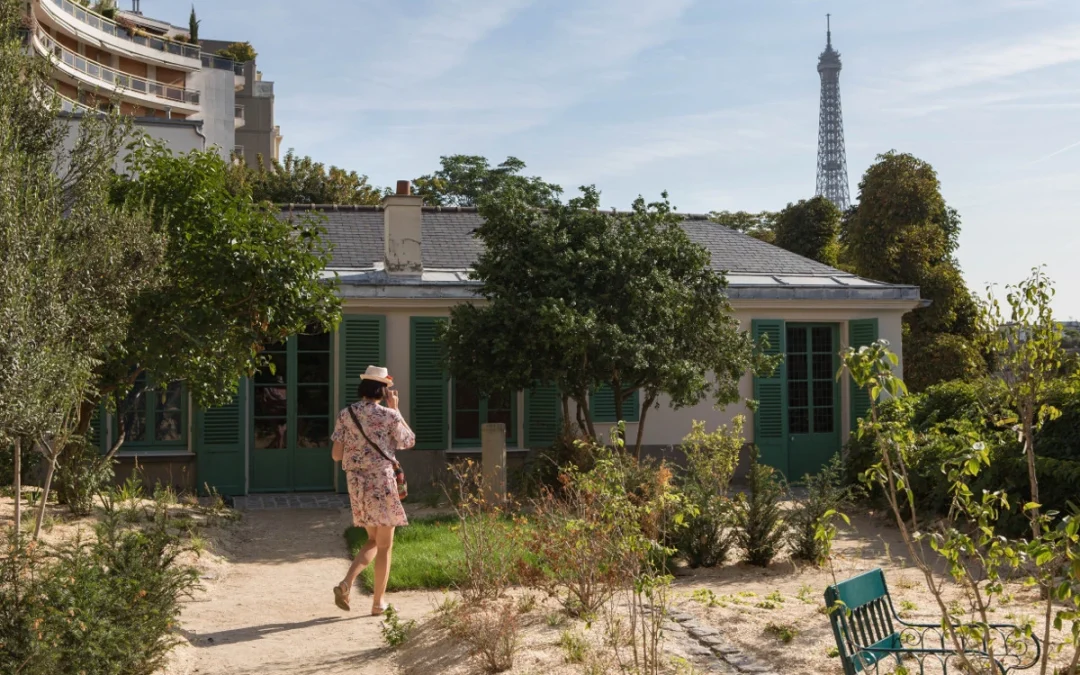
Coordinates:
[238,112]
[169,92]
[221,63]
[110,27]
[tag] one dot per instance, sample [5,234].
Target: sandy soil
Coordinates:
[739,588]
[272,609]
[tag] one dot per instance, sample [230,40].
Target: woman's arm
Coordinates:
[404,438]
[338,451]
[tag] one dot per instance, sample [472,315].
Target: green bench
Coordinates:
[869,632]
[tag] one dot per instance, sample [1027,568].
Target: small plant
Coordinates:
[574,646]
[811,532]
[705,597]
[832,652]
[805,594]
[555,619]
[766,604]
[526,603]
[81,476]
[705,538]
[492,635]
[395,631]
[784,632]
[759,523]
[683,667]
[907,607]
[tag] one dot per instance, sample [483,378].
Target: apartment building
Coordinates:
[258,136]
[103,56]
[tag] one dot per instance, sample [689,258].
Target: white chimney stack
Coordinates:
[402,218]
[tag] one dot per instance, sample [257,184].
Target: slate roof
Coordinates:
[754,268]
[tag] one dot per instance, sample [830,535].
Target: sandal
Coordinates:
[379,610]
[341,596]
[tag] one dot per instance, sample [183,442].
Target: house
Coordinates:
[403,265]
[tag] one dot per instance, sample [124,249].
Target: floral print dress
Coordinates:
[372,488]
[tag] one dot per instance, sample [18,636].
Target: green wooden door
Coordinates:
[813,397]
[363,344]
[770,392]
[219,445]
[292,413]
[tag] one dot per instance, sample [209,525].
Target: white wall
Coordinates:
[217,98]
[179,135]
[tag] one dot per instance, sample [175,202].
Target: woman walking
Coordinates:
[365,439]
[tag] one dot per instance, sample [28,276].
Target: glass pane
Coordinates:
[503,416]
[467,424]
[823,367]
[313,433]
[270,401]
[264,375]
[799,421]
[823,340]
[796,340]
[823,394]
[823,420]
[798,394]
[500,401]
[315,343]
[271,433]
[135,425]
[169,397]
[465,397]
[313,367]
[133,409]
[168,426]
[796,366]
[313,400]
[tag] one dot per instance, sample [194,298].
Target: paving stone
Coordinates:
[698,650]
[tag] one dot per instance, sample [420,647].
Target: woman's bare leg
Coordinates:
[363,557]
[384,541]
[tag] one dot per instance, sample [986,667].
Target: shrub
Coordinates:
[107,606]
[711,458]
[395,631]
[574,646]
[826,495]
[601,533]
[759,526]
[490,549]
[492,634]
[81,475]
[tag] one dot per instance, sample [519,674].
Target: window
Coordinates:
[602,405]
[471,411]
[154,417]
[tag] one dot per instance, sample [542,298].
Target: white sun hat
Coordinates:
[378,374]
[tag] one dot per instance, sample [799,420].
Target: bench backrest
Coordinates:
[863,620]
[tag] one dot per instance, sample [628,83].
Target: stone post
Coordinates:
[493,456]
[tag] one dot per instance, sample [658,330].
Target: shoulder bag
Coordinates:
[399,473]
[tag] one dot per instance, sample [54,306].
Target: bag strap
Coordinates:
[356,420]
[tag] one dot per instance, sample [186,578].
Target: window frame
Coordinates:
[151,407]
[482,412]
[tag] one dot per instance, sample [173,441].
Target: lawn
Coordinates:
[427,554]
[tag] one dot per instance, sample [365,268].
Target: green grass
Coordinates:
[427,554]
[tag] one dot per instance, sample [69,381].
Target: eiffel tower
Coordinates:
[832,178]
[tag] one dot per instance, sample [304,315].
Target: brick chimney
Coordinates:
[402,217]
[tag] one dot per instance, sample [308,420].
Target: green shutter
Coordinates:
[363,344]
[770,419]
[543,413]
[861,333]
[602,405]
[427,397]
[219,446]
[94,434]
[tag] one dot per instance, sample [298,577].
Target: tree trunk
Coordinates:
[45,495]
[18,488]
[645,405]
[583,405]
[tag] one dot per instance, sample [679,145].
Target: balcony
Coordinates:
[142,90]
[238,116]
[221,63]
[87,25]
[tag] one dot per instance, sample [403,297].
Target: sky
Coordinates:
[714,101]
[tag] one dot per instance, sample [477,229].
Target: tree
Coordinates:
[193,26]
[903,232]
[810,227]
[72,261]
[241,52]
[580,298]
[301,180]
[758,225]
[234,277]
[462,180]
